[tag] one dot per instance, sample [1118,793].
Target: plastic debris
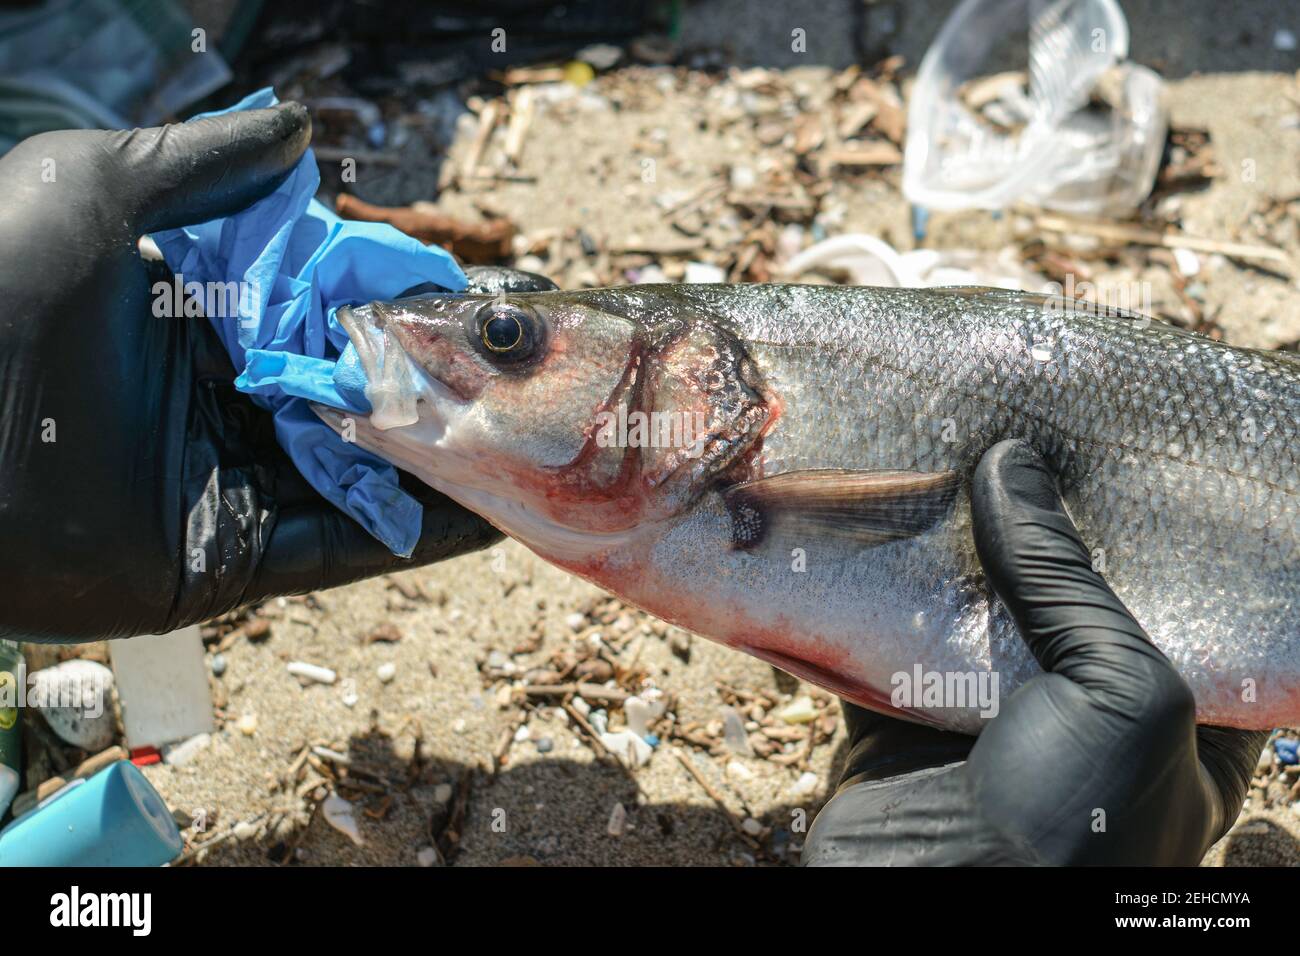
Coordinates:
[289,347]
[340,814]
[805,785]
[641,714]
[386,672]
[162,684]
[1082,132]
[628,747]
[868,260]
[312,672]
[733,733]
[178,755]
[704,272]
[114,818]
[617,820]
[43,791]
[578,73]
[1288,750]
[800,711]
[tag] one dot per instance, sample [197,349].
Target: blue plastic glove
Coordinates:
[139,490]
[296,263]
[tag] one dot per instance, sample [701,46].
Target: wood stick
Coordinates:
[1123,232]
[521,118]
[716,797]
[586,691]
[487,122]
[475,242]
[87,768]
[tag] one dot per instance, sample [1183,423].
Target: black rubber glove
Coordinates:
[1096,761]
[139,491]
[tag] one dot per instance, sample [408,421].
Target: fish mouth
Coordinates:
[399,390]
[851,690]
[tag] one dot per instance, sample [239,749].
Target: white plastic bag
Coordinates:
[1064,155]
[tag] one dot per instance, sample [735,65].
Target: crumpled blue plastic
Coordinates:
[299,263]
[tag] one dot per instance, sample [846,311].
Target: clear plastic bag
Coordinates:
[1083,135]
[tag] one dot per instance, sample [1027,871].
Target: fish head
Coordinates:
[556,415]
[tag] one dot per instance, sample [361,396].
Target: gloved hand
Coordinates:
[1096,761]
[139,491]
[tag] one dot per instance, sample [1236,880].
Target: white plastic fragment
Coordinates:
[1187,261]
[628,747]
[733,733]
[617,820]
[312,672]
[799,711]
[704,272]
[178,755]
[805,785]
[641,714]
[341,816]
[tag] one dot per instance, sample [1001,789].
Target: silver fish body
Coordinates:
[1176,457]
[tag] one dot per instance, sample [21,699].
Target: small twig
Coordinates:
[602,752]
[487,122]
[716,797]
[1122,232]
[584,690]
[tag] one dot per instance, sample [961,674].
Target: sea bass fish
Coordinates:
[786,469]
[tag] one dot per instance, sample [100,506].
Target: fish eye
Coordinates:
[502,332]
[509,333]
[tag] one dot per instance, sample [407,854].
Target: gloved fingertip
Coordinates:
[1011,483]
[448,529]
[1011,473]
[213,166]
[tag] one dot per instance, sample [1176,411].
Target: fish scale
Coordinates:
[1176,457]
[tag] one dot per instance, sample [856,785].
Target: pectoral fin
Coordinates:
[872,507]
